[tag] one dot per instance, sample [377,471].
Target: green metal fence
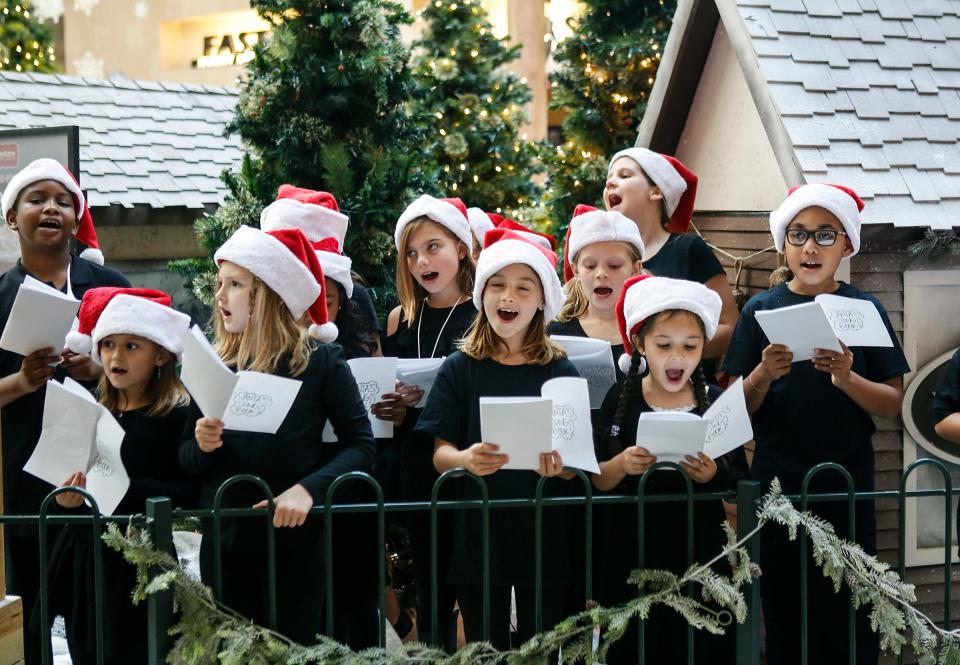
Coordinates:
[159,518]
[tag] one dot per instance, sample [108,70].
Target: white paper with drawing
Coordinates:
[375,377]
[572,430]
[525,427]
[521,426]
[671,436]
[80,435]
[801,328]
[40,317]
[856,322]
[728,422]
[244,401]
[594,361]
[420,372]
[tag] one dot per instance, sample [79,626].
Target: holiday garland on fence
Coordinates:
[209,632]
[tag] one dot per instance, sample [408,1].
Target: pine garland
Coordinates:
[208,632]
[936,245]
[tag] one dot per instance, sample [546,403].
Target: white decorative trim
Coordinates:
[132,315]
[271,261]
[37,170]
[337,268]
[657,294]
[443,213]
[316,221]
[602,226]
[480,223]
[838,202]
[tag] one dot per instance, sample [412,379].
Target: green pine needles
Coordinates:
[473,107]
[208,632]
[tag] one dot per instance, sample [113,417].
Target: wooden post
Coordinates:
[11,609]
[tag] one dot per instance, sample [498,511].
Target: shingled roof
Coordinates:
[141,143]
[862,92]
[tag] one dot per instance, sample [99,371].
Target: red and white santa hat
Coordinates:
[544,240]
[335,264]
[505,247]
[591,225]
[449,213]
[287,263]
[313,212]
[109,310]
[480,223]
[644,296]
[50,169]
[841,201]
[676,181]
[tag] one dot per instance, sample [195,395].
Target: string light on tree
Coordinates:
[25,39]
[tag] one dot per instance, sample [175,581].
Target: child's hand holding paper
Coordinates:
[41,317]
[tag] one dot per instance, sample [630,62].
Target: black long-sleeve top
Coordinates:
[294,455]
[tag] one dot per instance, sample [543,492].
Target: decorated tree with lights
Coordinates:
[323,107]
[606,69]
[474,105]
[26,42]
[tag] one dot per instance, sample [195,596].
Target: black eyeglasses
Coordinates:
[823,237]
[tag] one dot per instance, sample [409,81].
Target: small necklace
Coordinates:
[439,334]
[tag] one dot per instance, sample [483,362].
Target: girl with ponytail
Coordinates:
[665,325]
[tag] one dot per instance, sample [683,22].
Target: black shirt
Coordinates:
[368,313]
[150,456]
[294,455]
[22,418]
[452,413]
[429,328]
[573,328]
[946,398]
[685,256]
[804,420]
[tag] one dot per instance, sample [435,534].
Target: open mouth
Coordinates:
[224,312]
[49,224]
[614,200]
[811,265]
[507,314]
[429,276]
[674,375]
[118,371]
[603,291]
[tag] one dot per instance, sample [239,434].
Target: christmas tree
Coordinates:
[323,108]
[604,76]
[475,108]
[26,43]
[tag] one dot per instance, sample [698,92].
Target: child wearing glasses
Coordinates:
[814,411]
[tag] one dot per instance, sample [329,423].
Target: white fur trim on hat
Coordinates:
[441,212]
[133,315]
[271,261]
[316,221]
[838,202]
[660,171]
[37,170]
[480,223]
[602,226]
[506,252]
[337,268]
[653,295]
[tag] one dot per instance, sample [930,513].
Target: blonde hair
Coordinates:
[577,303]
[164,390]
[482,341]
[409,292]
[277,339]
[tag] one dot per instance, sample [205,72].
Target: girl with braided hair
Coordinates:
[665,324]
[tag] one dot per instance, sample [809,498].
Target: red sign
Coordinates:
[9,156]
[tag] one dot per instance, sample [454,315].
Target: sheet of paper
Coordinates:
[856,322]
[107,479]
[594,360]
[41,316]
[69,426]
[572,430]
[375,377]
[801,328]
[521,426]
[728,422]
[671,436]
[420,372]
[205,375]
[260,402]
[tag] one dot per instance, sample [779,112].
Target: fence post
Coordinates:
[748,632]
[160,604]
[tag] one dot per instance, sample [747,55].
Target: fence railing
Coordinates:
[159,518]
